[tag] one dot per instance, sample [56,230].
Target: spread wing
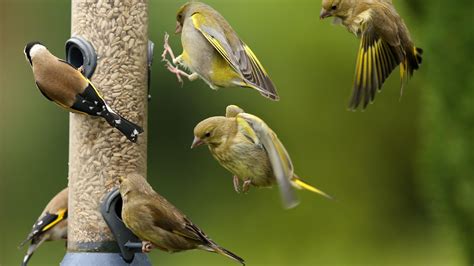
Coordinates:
[379,54]
[237,54]
[277,154]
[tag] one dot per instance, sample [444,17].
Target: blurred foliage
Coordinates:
[368,160]
[447,112]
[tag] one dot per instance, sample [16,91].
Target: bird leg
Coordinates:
[147,246]
[246,185]
[236,184]
[168,50]
[173,65]
[174,69]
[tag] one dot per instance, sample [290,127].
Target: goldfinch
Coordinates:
[213,51]
[243,144]
[160,224]
[50,226]
[65,85]
[385,44]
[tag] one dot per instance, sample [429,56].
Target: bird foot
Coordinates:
[246,185]
[168,50]
[236,181]
[81,69]
[147,246]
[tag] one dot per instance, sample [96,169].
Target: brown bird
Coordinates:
[385,44]
[160,224]
[246,146]
[65,85]
[51,224]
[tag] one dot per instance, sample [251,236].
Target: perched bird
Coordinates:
[160,224]
[385,44]
[51,225]
[65,85]
[213,51]
[243,144]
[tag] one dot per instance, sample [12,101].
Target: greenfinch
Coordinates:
[50,226]
[65,85]
[160,224]
[243,144]
[213,51]
[385,44]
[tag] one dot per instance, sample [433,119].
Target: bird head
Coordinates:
[334,8]
[212,131]
[186,11]
[31,49]
[132,183]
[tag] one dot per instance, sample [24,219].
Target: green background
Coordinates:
[402,171]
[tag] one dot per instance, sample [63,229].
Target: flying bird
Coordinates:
[213,51]
[385,44]
[247,147]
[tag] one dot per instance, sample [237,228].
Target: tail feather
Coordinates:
[31,250]
[227,253]
[300,184]
[129,129]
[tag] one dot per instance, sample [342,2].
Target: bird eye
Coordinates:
[334,7]
[208,134]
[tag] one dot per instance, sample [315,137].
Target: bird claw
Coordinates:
[236,183]
[81,69]
[147,246]
[246,185]
[175,70]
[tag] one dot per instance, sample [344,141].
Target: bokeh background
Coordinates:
[402,171]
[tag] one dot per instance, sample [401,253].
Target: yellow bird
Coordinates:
[243,144]
[213,51]
[50,226]
[385,44]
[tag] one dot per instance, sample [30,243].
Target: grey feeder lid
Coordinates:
[80,52]
[111,210]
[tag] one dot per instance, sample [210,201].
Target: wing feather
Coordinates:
[236,53]
[279,158]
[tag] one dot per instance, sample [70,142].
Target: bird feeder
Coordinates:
[110,40]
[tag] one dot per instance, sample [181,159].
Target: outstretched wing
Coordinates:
[277,154]
[379,54]
[237,54]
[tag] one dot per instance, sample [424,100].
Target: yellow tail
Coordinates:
[300,184]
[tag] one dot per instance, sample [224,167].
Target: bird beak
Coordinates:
[179,28]
[324,14]
[196,142]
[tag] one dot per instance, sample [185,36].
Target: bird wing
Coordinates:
[237,54]
[233,111]
[169,218]
[379,54]
[280,161]
[46,222]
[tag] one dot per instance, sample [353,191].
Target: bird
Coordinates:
[213,51]
[65,85]
[247,147]
[385,44]
[158,223]
[50,226]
